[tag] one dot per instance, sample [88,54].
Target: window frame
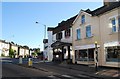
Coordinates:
[67,33]
[112,54]
[88,31]
[114,28]
[59,36]
[78,34]
[119,23]
[82,19]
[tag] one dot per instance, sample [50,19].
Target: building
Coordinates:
[61,41]
[23,51]
[109,19]
[101,26]
[85,33]
[50,41]
[15,48]
[26,51]
[46,51]
[4,48]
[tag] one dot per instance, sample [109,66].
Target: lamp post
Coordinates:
[96,56]
[43,39]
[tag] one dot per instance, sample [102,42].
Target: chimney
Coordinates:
[109,2]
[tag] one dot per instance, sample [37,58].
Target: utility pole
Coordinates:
[43,40]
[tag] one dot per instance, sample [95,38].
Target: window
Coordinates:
[88,31]
[113,25]
[113,54]
[82,19]
[119,23]
[84,55]
[67,33]
[78,34]
[59,36]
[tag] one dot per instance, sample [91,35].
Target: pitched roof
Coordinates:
[50,28]
[103,9]
[64,25]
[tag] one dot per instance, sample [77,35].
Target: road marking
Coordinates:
[67,76]
[51,76]
[83,75]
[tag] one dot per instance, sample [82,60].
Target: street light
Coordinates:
[44,37]
[96,56]
[44,28]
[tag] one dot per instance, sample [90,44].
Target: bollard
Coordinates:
[30,62]
[20,60]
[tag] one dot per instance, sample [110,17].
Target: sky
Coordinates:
[19,19]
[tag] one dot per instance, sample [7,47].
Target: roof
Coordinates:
[58,44]
[64,25]
[103,9]
[50,28]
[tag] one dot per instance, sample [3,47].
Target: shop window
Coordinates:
[84,55]
[67,33]
[113,54]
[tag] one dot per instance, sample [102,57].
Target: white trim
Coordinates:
[80,12]
[113,43]
[85,46]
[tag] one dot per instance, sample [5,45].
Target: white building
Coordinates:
[4,48]
[60,41]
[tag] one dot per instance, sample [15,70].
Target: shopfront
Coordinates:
[60,49]
[112,52]
[85,54]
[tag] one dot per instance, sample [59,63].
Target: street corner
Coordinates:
[108,73]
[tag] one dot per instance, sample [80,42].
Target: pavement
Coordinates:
[102,72]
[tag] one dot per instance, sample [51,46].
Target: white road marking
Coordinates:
[67,76]
[82,75]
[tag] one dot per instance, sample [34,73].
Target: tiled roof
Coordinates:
[50,28]
[103,9]
[64,25]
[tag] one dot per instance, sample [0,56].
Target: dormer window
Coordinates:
[67,33]
[82,19]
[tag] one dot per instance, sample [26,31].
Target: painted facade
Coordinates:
[4,48]
[102,26]
[83,43]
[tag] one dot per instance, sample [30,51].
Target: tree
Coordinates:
[11,52]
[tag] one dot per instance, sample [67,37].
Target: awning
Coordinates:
[58,44]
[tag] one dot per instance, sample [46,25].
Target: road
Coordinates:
[39,71]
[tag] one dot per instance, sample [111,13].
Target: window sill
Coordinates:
[112,33]
[82,23]
[67,37]
[78,39]
[88,37]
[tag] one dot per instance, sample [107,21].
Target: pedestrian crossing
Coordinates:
[80,76]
